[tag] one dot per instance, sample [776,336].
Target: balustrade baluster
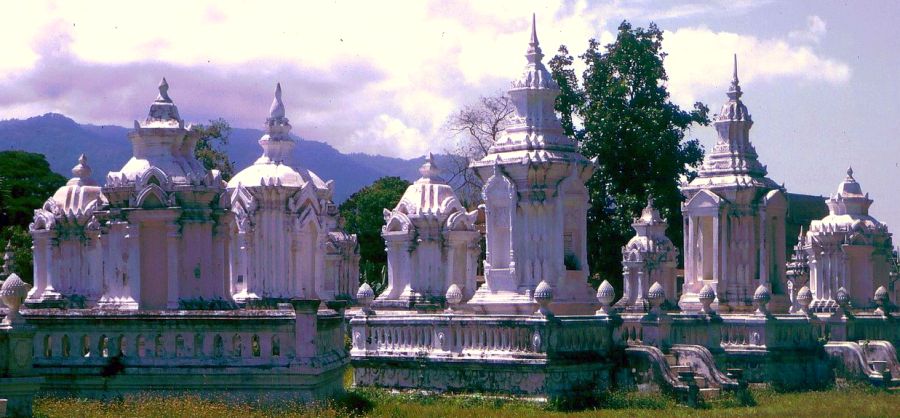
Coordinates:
[264,345]
[56,346]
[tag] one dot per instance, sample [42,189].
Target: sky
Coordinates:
[820,77]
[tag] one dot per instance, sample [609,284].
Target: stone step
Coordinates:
[679,368]
[709,393]
[671,359]
[701,382]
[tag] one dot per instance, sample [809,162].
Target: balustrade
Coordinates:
[446,335]
[176,338]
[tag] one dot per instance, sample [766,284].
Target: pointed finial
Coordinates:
[735,76]
[277,109]
[734,92]
[82,170]
[849,172]
[8,259]
[163,91]
[534,54]
[429,169]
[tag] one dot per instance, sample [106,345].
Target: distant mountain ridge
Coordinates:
[107,148]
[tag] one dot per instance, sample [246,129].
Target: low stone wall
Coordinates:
[296,352]
[783,350]
[519,355]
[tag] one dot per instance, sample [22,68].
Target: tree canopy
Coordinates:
[27,183]
[209,149]
[362,214]
[621,113]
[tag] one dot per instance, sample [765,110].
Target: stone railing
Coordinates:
[240,338]
[724,332]
[470,336]
[296,351]
[775,332]
[180,338]
[867,327]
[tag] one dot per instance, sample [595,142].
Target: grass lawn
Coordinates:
[855,401]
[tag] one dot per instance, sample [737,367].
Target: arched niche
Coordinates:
[574,199]
[702,213]
[500,204]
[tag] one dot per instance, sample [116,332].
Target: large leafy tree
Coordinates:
[210,151]
[362,214]
[20,242]
[621,113]
[27,183]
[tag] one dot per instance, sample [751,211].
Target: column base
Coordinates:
[245,297]
[121,303]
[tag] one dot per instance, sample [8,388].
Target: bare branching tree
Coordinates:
[476,127]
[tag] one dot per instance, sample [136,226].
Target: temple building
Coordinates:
[288,243]
[164,232]
[535,203]
[431,242]
[66,236]
[734,217]
[649,257]
[139,273]
[158,234]
[847,249]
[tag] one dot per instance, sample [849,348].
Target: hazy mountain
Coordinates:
[62,140]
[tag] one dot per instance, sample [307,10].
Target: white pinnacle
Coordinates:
[277,109]
[534,54]
[163,91]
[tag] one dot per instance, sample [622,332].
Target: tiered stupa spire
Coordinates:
[163,112]
[277,144]
[534,125]
[733,159]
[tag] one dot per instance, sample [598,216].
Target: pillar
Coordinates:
[173,257]
[305,326]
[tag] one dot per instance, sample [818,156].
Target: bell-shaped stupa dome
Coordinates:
[430,196]
[848,210]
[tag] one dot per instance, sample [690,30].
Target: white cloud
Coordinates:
[700,61]
[386,132]
[362,76]
[813,32]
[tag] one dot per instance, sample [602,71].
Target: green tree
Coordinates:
[27,183]
[20,240]
[210,147]
[622,115]
[363,216]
